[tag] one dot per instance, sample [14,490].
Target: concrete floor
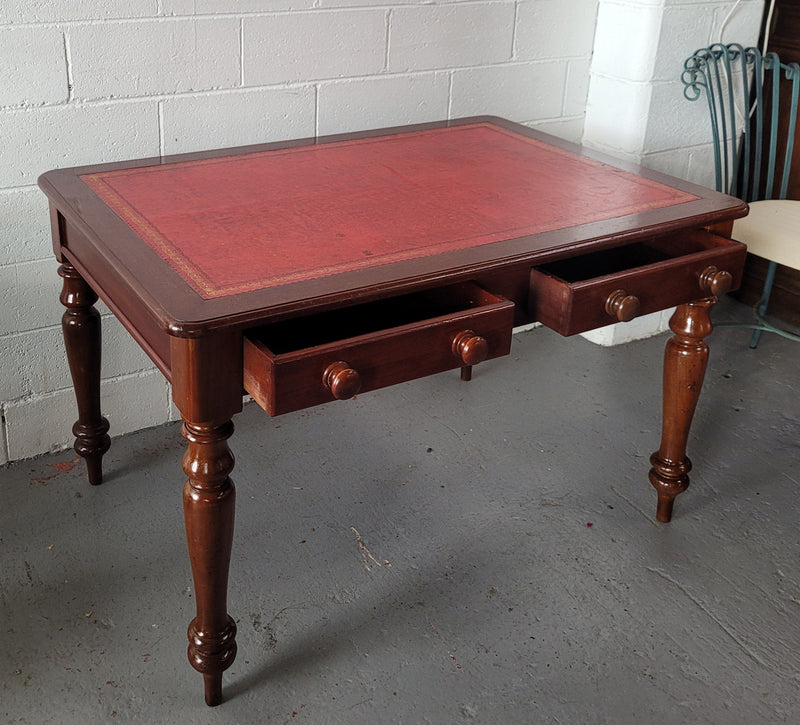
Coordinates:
[437,552]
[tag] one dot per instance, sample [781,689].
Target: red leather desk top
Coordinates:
[251,221]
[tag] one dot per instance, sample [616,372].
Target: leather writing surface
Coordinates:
[250,221]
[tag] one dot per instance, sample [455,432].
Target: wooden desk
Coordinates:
[311,270]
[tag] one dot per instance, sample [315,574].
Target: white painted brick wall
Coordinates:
[47,11]
[130,60]
[33,69]
[393,100]
[635,107]
[311,46]
[36,139]
[32,425]
[541,25]
[447,36]
[192,122]
[85,81]
[24,235]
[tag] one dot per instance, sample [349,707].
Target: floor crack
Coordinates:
[727,630]
[633,506]
[367,557]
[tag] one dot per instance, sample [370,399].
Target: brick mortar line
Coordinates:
[241,53]
[514,29]
[388,38]
[111,100]
[26,261]
[19,189]
[4,433]
[68,63]
[450,95]
[22,262]
[55,326]
[160,108]
[712,4]
[31,397]
[258,13]
[315,120]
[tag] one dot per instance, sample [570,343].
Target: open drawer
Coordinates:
[581,293]
[310,360]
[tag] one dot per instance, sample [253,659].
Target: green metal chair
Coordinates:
[752,149]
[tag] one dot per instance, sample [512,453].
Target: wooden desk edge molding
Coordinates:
[306,271]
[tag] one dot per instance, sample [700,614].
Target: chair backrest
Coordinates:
[752,146]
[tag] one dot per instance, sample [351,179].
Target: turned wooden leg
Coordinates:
[81,325]
[685,360]
[208,506]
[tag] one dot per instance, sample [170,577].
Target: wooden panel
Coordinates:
[572,213]
[784,39]
[207,376]
[385,343]
[135,318]
[784,36]
[570,295]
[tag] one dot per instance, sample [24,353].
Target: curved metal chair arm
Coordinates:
[745,92]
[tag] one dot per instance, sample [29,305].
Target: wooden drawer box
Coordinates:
[311,360]
[593,290]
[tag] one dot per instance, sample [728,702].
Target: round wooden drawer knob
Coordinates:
[470,347]
[716,281]
[623,306]
[342,380]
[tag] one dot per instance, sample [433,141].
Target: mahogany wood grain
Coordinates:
[578,293]
[471,349]
[208,506]
[207,389]
[343,381]
[622,306]
[287,366]
[133,271]
[210,349]
[716,281]
[81,327]
[207,376]
[783,39]
[685,360]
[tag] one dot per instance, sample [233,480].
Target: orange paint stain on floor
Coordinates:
[60,467]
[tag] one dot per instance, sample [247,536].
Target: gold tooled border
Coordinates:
[101,184]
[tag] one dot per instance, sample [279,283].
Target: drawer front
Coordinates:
[283,377]
[633,281]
